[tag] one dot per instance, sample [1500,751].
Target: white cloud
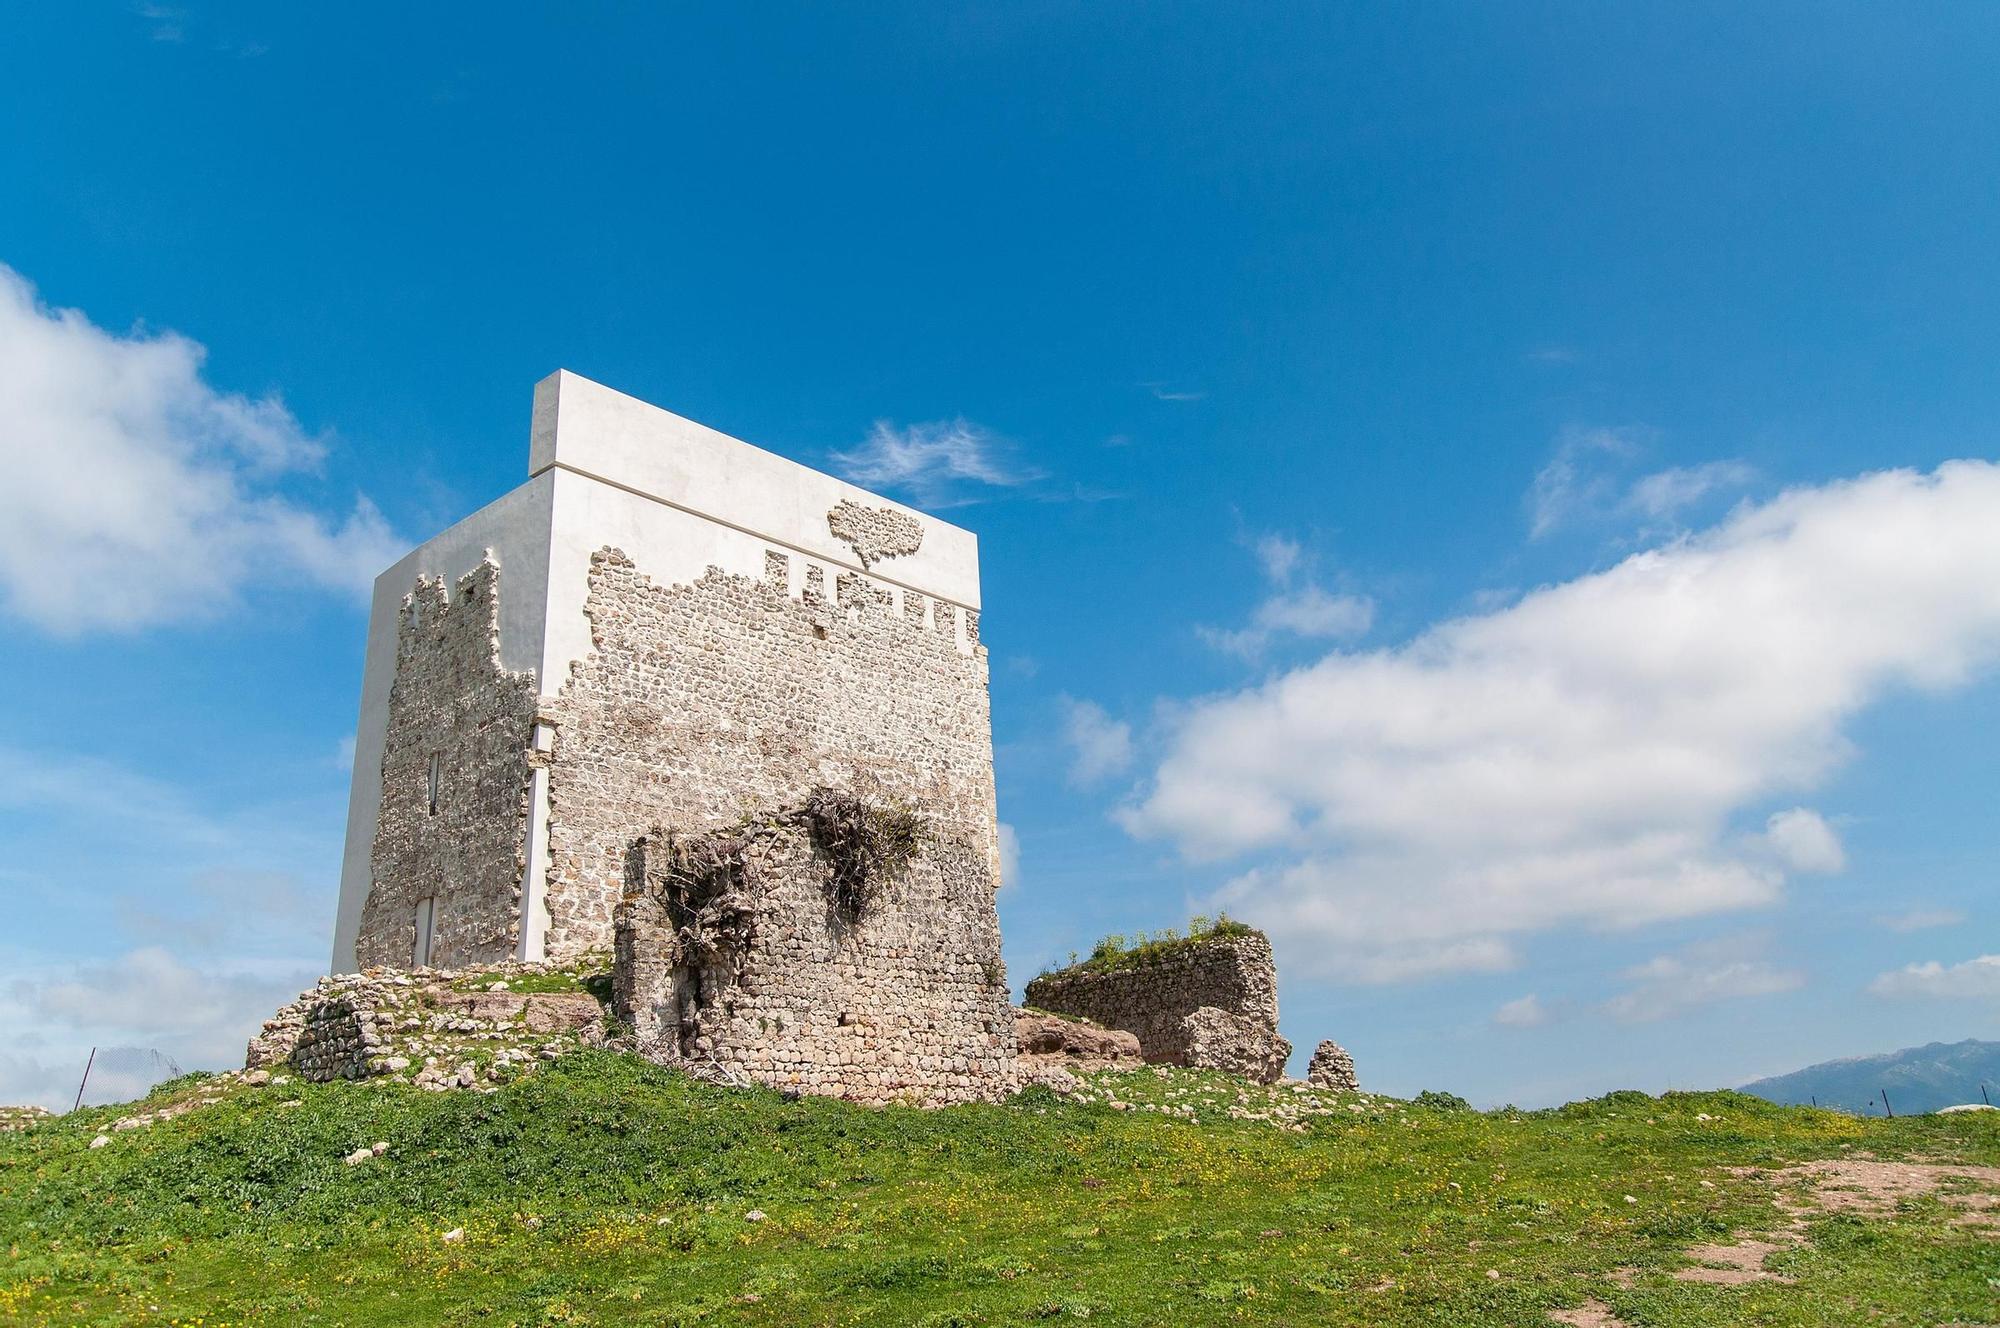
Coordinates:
[935,462]
[1294,607]
[1010,856]
[1100,746]
[1975,979]
[1578,757]
[1921,919]
[1522,1012]
[1804,841]
[137,494]
[1703,974]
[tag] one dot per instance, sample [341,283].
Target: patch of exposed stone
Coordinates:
[15,1119]
[1332,1068]
[435,1028]
[1209,1002]
[875,533]
[835,947]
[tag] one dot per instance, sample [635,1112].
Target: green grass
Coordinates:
[602,1190]
[592,973]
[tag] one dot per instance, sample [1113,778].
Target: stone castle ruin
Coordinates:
[621,707]
[686,707]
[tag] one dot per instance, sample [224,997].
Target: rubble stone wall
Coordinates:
[1160,995]
[754,964]
[452,708]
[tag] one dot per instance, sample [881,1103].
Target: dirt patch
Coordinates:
[1736,1265]
[1590,1314]
[1868,1188]
[1863,1186]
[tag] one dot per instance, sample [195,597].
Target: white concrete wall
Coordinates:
[593,431]
[515,529]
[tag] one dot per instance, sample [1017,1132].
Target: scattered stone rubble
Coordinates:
[1206,1002]
[435,1028]
[14,1119]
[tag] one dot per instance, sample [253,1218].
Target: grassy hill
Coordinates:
[1938,1074]
[603,1190]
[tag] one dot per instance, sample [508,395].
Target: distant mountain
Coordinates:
[1918,1079]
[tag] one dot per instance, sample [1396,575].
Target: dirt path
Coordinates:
[1860,1185]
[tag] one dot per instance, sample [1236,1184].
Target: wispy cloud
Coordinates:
[942,463]
[137,494]
[1667,493]
[1974,979]
[1294,606]
[1587,479]
[1100,746]
[1162,392]
[1700,975]
[1569,482]
[164,23]
[1921,919]
[1522,1012]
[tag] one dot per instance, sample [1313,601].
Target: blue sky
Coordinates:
[1457,486]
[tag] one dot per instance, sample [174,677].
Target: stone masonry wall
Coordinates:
[1172,999]
[742,952]
[701,704]
[452,704]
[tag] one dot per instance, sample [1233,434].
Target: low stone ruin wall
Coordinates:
[434,1028]
[1208,1003]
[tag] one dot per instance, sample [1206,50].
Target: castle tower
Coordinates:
[665,630]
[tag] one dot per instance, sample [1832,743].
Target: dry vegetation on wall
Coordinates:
[1120,951]
[864,845]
